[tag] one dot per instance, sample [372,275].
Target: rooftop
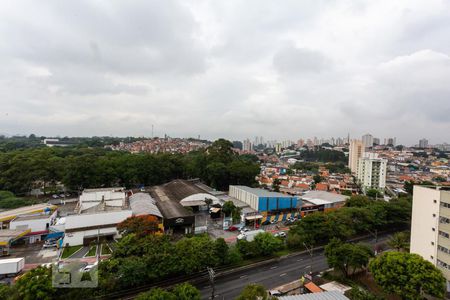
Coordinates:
[323,196]
[144,204]
[331,295]
[26,210]
[260,192]
[34,217]
[104,189]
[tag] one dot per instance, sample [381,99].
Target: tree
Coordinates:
[221,250]
[407,275]
[253,292]
[267,243]
[156,294]
[276,185]
[317,178]
[345,256]
[357,201]
[186,291]
[36,285]
[228,208]
[399,241]
[208,202]
[139,225]
[373,193]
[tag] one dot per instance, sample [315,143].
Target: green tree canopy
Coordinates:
[407,275]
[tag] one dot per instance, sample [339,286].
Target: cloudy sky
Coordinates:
[233,69]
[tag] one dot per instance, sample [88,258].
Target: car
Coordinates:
[88,268]
[244,230]
[50,245]
[55,196]
[232,228]
[62,195]
[280,234]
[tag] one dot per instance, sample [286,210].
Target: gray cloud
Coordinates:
[226,69]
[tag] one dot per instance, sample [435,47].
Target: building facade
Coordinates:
[367,140]
[423,143]
[430,227]
[371,172]
[263,200]
[356,150]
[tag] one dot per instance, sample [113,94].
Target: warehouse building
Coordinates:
[263,200]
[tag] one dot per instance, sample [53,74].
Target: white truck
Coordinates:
[10,267]
[249,235]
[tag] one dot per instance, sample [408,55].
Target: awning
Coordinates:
[313,288]
[254,217]
[215,209]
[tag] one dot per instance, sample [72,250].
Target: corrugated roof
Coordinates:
[261,192]
[314,196]
[331,295]
[143,204]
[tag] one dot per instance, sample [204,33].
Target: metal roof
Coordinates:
[323,196]
[261,192]
[144,204]
[331,295]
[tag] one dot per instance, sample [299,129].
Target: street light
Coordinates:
[212,276]
[310,251]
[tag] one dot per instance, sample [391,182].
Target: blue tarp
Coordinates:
[55,235]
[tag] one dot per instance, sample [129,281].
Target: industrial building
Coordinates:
[263,200]
[314,201]
[177,201]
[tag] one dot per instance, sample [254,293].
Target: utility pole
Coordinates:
[310,251]
[212,276]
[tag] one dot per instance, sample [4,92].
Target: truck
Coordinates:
[10,267]
[249,235]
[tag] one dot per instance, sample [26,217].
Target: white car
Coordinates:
[280,234]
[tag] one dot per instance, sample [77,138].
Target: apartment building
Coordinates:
[371,172]
[356,150]
[430,227]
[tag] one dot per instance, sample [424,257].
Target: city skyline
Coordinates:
[226,69]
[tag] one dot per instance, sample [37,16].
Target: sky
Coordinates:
[232,69]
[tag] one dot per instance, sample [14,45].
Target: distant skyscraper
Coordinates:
[376,141]
[247,145]
[300,143]
[356,150]
[423,143]
[367,140]
[371,172]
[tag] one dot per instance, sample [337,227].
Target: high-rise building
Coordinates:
[430,227]
[278,148]
[247,145]
[390,141]
[423,143]
[300,143]
[356,150]
[371,172]
[367,140]
[376,141]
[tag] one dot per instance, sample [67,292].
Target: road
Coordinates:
[270,275]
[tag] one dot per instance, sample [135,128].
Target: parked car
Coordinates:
[232,228]
[280,234]
[50,243]
[245,229]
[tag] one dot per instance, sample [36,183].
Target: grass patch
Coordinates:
[69,251]
[106,250]
[92,251]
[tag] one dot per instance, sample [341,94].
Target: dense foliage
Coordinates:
[407,275]
[323,155]
[9,201]
[139,225]
[77,168]
[254,292]
[183,291]
[264,244]
[347,257]
[361,215]
[313,167]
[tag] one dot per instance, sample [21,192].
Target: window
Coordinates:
[443,249]
[446,205]
[433,229]
[434,215]
[444,234]
[434,201]
[443,264]
[432,243]
[444,220]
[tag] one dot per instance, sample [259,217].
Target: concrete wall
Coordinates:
[35,225]
[425,217]
[77,238]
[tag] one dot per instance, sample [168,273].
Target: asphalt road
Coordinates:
[269,275]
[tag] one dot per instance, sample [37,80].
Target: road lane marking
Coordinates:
[300,259]
[274,267]
[243,276]
[307,267]
[283,274]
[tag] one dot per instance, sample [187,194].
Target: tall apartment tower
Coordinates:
[247,145]
[356,150]
[371,172]
[367,140]
[423,143]
[430,227]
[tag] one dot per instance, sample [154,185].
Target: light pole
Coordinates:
[310,251]
[212,276]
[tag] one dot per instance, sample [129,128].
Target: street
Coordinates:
[270,275]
